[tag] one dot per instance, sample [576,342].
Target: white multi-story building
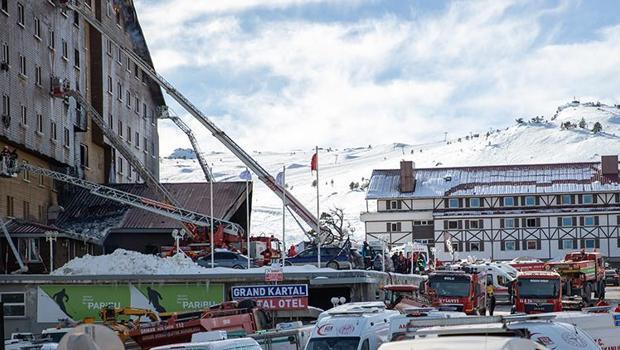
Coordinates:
[499,212]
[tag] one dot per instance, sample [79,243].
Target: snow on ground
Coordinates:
[530,142]
[126,262]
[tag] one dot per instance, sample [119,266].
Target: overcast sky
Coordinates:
[289,74]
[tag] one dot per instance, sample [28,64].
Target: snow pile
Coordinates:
[125,262]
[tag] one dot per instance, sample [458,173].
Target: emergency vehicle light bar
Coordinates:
[471,320]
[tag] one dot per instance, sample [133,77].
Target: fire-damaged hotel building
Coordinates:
[499,212]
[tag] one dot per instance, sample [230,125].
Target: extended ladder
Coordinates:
[165,209]
[165,114]
[262,174]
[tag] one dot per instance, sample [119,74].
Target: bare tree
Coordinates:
[335,221]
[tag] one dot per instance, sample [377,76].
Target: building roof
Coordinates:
[24,228]
[96,216]
[494,180]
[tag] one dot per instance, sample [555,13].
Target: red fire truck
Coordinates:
[466,292]
[583,273]
[537,292]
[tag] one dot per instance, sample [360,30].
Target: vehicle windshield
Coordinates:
[55,336]
[450,286]
[538,288]
[333,343]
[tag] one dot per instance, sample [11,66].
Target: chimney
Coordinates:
[407,176]
[609,165]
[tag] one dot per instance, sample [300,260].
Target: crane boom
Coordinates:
[192,139]
[170,211]
[305,214]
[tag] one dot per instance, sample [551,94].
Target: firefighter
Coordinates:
[491,298]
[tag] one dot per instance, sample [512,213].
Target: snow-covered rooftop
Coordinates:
[494,180]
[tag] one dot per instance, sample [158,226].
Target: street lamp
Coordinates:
[178,235]
[51,237]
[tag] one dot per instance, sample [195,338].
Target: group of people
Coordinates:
[398,262]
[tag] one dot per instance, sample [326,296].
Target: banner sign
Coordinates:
[76,302]
[274,274]
[276,297]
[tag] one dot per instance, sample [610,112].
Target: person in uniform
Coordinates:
[491,298]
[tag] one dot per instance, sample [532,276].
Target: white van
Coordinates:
[354,326]
[466,343]
[498,276]
[603,327]
[229,344]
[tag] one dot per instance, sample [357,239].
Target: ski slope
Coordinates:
[530,142]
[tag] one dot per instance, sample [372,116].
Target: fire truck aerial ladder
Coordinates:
[11,169]
[305,214]
[164,113]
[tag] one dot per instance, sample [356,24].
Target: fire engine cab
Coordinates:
[537,292]
[465,292]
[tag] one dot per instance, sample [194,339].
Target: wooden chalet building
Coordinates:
[499,212]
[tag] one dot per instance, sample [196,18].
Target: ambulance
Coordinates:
[353,326]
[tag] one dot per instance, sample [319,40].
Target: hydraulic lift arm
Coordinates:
[165,114]
[305,214]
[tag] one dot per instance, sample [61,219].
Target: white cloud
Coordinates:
[382,79]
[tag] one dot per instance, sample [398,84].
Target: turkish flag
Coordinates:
[314,163]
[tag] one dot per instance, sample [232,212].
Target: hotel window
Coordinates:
[453,224]
[108,8]
[84,155]
[76,19]
[6,105]
[23,70]
[531,222]
[42,184]
[40,123]
[110,85]
[474,202]
[53,131]
[76,58]
[136,71]
[38,76]
[120,165]
[24,115]
[137,106]
[510,245]
[453,203]
[129,134]
[120,128]
[588,221]
[5,6]
[530,201]
[109,47]
[26,209]
[119,57]
[532,244]
[10,206]
[67,137]
[393,226]
[145,145]
[5,53]
[65,50]
[14,304]
[455,247]
[119,91]
[51,39]
[474,246]
[128,97]
[137,139]
[37,28]
[474,224]
[587,199]
[509,223]
[32,250]
[589,243]
[509,201]
[394,205]
[111,121]
[568,244]
[144,110]
[567,199]
[567,221]
[20,15]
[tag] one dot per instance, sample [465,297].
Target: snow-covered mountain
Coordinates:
[535,140]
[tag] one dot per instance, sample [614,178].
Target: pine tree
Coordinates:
[597,128]
[582,123]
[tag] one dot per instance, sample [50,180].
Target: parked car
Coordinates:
[226,259]
[332,257]
[612,277]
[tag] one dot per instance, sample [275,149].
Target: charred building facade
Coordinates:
[39,41]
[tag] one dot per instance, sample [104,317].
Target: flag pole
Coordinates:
[211,207]
[283,214]
[318,211]
[247,217]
